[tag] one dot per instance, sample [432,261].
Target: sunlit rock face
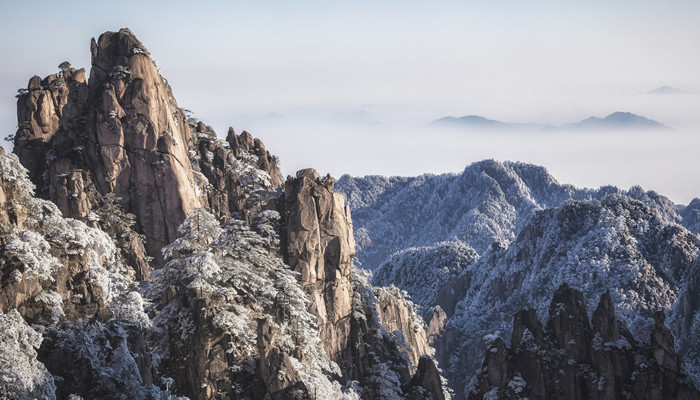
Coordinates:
[320,247]
[120,132]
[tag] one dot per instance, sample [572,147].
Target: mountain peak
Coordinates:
[468,122]
[619,120]
[666,90]
[476,120]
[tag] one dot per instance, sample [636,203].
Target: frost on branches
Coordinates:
[44,241]
[231,268]
[78,294]
[631,243]
[617,243]
[428,274]
[489,201]
[21,375]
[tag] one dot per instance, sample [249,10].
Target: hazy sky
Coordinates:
[348,87]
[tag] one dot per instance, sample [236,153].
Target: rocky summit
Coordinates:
[144,257]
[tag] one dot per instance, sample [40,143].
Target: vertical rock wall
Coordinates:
[320,246]
[395,315]
[120,132]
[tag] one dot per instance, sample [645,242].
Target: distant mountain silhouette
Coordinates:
[666,90]
[479,122]
[617,120]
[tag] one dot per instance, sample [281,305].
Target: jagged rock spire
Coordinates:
[573,360]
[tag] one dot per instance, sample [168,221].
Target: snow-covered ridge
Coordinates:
[433,275]
[487,202]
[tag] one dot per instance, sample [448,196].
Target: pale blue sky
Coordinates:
[347,75]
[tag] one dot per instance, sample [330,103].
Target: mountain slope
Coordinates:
[629,242]
[618,244]
[487,202]
[666,90]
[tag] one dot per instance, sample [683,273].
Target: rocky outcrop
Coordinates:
[365,330]
[572,359]
[380,359]
[437,322]
[39,112]
[319,245]
[119,132]
[426,383]
[235,177]
[397,316]
[443,336]
[245,142]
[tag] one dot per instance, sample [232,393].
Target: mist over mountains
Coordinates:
[666,90]
[615,121]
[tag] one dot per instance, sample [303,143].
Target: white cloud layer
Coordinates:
[355,83]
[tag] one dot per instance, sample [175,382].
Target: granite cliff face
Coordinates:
[122,133]
[319,245]
[119,132]
[169,262]
[320,248]
[572,358]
